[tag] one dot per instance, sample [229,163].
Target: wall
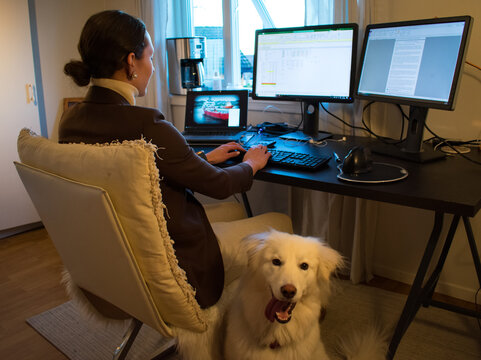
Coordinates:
[59,23]
[16,72]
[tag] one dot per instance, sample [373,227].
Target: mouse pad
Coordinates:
[380,173]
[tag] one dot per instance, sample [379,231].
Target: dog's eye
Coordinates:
[276,262]
[304,266]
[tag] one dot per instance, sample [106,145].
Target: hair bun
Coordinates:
[78,71]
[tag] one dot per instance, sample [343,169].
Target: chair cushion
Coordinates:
[128,173]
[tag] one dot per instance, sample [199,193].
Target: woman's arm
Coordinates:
[181,166]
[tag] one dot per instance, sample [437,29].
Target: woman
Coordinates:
[116,58]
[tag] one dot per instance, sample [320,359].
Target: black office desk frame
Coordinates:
[449,186]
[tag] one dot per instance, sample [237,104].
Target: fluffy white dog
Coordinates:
[276,308]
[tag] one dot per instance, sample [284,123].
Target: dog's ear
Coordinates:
[329,261]
[253,244]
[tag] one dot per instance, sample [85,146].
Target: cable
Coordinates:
[345,123]
[366,128]
[404,116]
[383,139]
[302,116]
[444,141]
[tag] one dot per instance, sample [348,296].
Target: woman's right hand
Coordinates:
[257,157]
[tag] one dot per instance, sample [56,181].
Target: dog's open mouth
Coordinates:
[279,310]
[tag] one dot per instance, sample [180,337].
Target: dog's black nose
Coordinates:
[289,291]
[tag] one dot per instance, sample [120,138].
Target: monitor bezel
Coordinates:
[310,98]
[450,104]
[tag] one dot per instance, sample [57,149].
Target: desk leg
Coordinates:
[433,280]
[414,299]
[472,245]
[423,295]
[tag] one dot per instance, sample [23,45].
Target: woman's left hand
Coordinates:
[224,152]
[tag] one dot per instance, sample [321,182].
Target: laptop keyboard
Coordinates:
[216,133]
[218,137]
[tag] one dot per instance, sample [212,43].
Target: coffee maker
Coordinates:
[186,63]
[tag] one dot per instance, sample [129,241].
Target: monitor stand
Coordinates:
[412,148]
[311,121]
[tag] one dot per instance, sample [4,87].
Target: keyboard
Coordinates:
[297,160]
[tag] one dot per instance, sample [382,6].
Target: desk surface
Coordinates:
[451,185]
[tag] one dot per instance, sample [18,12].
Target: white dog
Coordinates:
[275,312]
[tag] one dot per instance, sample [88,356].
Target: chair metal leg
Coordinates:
[247,205]
[167,349]
[121,351]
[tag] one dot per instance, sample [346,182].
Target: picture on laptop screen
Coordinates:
[217,110]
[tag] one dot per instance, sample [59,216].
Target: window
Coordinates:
[229,27]
[258,14]
[208,22]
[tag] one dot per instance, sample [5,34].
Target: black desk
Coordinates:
[448,186]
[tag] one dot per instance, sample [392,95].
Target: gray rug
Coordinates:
[79,339]
[434,334]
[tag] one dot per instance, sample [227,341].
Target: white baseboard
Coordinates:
[445,288]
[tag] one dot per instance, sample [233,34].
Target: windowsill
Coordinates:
[286,107]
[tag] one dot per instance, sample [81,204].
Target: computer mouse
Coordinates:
[357,161]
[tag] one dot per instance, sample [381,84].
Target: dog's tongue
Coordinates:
[276,306]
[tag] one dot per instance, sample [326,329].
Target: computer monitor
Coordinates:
[416,63]
[311,64]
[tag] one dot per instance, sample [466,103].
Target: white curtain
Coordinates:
[154,13]
[347,223]
[319,12]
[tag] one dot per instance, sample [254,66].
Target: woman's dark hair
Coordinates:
[106,40]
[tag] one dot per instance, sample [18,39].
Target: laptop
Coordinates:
[215,116]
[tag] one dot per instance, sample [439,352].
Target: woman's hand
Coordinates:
[224,152]
[257,157]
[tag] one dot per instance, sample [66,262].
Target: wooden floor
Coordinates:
[30,284]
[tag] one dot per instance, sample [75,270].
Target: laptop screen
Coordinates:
[216,110]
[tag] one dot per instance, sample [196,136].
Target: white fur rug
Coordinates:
[434,334]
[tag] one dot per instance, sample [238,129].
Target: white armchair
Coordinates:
[102,207]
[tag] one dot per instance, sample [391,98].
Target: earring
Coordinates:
[134,76]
